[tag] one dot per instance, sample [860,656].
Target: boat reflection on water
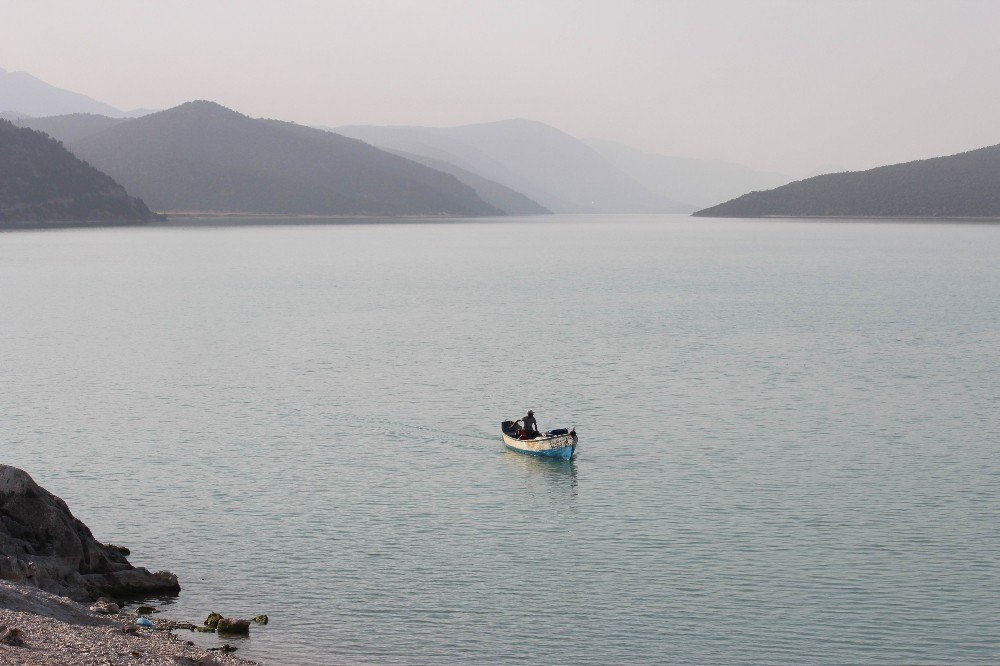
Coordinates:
[550,475]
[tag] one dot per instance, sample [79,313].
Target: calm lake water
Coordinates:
[789,432]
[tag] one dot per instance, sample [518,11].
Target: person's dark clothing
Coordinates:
[530,426]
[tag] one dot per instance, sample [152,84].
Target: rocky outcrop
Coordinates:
[228,625]
[44,545]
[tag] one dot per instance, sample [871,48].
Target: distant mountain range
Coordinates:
[695,182]
[75,127]
[962,185]
[201,156]
[22,93]
[546,165]
[187,161]
[42,182]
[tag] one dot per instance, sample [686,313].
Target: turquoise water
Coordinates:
[788,432]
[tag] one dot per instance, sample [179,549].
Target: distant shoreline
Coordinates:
[71,224]
[851,218]
[209,213]
[192,219]
[188,219]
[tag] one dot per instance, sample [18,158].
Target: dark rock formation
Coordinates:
[229,625]
[11,636]
[42,544]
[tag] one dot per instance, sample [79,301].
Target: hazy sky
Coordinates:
[783,85]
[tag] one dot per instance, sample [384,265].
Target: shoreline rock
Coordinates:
[42,544]
[49,563]
[50,630]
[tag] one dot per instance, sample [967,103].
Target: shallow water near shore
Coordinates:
[788,432]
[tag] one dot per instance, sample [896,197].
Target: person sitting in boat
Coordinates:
[529,427]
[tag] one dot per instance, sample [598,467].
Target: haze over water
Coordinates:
[788,431]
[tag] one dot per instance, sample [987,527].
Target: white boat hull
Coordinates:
[560,446]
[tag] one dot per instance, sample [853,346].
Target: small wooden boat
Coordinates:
[553,444]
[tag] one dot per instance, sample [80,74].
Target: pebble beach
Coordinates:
[50,630]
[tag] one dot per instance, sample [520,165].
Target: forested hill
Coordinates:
[42,182]
[962,185]
[71,127]
[201,156]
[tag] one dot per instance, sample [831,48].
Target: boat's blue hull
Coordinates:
[561,453]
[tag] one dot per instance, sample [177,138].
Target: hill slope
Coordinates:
[544,164]
[40,181]
[70,127]
[696,182]
[962,185]
[205,157]
[22,92]
[495,194]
